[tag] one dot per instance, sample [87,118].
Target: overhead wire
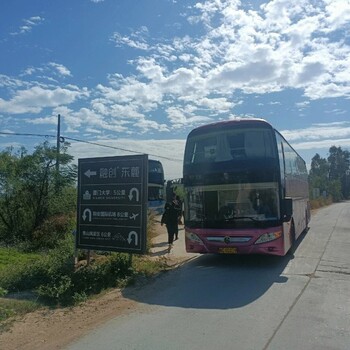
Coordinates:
[25,134]
[88,142]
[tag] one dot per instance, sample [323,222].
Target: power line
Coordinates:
[89,142]
[119,148]
[21,134]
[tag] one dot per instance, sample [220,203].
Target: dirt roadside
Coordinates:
[55,329]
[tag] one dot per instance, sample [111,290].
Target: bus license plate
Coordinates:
[228,250]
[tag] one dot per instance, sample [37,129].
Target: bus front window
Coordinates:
[232,203]
[234,144]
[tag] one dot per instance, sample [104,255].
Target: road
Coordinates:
[246,302]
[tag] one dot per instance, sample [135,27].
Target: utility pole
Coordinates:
[58,150]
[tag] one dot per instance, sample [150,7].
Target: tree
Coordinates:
[319,174]
[319,167]
[332,174]
[28,189]
[339,163]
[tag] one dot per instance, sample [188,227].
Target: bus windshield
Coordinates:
[230,144]
[246,204]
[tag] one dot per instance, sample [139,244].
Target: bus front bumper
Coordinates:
[227,242]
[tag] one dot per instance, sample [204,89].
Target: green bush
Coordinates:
[28,276]
[53,230]
[56,289]
[77,285]
[56,280]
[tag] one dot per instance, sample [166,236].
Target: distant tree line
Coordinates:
[330,176]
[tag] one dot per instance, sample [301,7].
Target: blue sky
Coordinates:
[141,74]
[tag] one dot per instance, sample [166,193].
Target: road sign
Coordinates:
[112,203]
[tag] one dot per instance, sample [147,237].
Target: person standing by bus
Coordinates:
[170,218]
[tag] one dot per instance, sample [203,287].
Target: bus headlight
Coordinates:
[193,237]
[269,236]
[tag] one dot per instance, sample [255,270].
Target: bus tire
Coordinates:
[292,239]
[308,218]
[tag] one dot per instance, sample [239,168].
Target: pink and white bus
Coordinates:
[246,189]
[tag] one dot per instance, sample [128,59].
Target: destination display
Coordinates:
[112,203]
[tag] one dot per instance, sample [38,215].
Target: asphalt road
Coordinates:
[246,302]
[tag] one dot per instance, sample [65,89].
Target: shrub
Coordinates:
[27,276]
[53,230]
[77,285]
[321,202]
[55,278]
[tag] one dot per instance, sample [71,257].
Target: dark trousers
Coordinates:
[173,230]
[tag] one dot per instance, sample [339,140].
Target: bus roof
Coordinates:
[232,122]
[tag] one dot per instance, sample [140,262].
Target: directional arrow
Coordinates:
[137,193]
[133,233]
[90,173]
[87,211]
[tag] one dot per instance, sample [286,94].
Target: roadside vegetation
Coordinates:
[38,218]
[37,225]
[329,178]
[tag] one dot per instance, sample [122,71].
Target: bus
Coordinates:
[156,186]
[246,189]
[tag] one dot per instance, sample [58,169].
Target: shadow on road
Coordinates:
[213,282]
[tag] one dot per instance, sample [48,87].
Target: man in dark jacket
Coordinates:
[171,219]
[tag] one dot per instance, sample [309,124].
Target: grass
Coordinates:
[11,257]
[13,308]
[17,266]
[18,304]
[320,202]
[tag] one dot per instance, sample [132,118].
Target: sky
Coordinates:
[138,75]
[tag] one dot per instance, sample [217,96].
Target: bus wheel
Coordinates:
[308,218]
[292,238]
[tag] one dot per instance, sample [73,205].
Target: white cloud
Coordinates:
[11,83]
[34,99]
[220,105]
[183,117]
[322,144]
[281,45]
[302,104]
[321,132]
[150,69]
[136,40]
[338,13]
[61,70]
[188,80]
[28,25]
[169,152]
[50,72]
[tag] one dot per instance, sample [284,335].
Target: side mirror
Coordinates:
[287,208]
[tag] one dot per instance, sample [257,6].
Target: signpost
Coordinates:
[112,204]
